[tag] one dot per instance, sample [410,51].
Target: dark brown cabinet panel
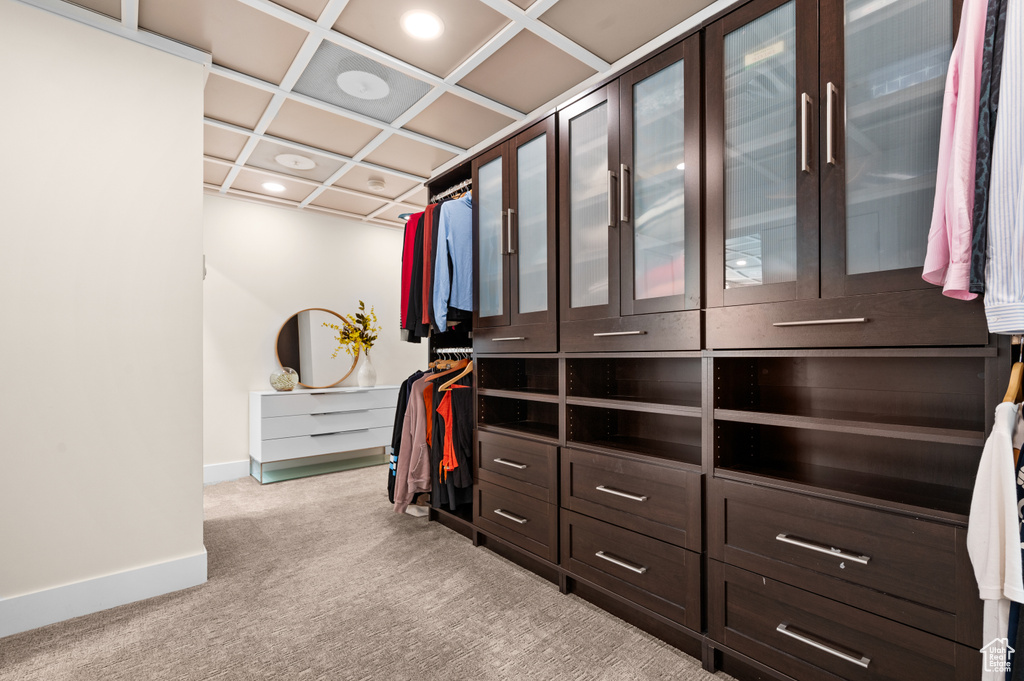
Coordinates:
[657,500]
[630,168]
[515,250]
[658,576]
[527,467]
[810,637]
[525,521]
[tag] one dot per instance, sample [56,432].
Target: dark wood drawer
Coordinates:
[910,570]
[658,576]
[523,466]
[810,637]
[541,337]
[922,317]
[527,522]
[657,500]
[662,331]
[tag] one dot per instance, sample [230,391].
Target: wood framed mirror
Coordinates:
[305,344]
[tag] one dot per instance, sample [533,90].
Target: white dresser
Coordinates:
[334,425]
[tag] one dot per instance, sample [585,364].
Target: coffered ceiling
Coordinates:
[347,113]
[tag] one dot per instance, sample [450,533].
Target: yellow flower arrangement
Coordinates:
[359,332]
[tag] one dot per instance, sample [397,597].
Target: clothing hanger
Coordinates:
[448,386]
[454,367]
[1015,391]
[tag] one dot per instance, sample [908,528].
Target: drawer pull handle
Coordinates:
[512,464]
[510,338]
[341,392]
[511,516]
[619,333]
[620,493]
[821,548]
[861,662]
[340,432]
[347,411]
[819,322]
[639,569]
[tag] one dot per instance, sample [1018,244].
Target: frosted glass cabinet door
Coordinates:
[531,225]
[660,180]
[588,155]
[489,200]
[882,93]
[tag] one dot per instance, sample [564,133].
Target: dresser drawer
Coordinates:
[314,445]
[811,638]
[656,500]
[662,331]
[658,576]
[525,521]
[523,466]
[314,402]
[911,570]
[923,317]
[321,424]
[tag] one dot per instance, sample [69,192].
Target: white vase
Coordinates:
[367,375]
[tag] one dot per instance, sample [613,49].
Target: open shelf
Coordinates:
[664,436]
[668,381]
[904,473]
[939,398]
[529,375]
[518,416]
[632,404]
[856,423]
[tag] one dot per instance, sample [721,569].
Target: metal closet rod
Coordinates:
[451,190]
[453,351]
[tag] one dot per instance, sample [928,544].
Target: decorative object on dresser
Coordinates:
[309,432]
[358,333]
[284,379]
[306,341]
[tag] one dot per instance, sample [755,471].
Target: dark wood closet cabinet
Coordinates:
[629,209]
[822,141]
[515,254]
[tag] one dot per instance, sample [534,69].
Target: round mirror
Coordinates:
[306,344]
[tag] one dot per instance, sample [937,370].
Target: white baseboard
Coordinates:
[38,609]
[223,472]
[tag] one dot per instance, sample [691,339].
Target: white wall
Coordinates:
[266,263]
[101,297]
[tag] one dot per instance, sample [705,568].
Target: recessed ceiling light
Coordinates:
[681,166]
[422,25]
[741,263]
[295,161]
[376,184]
[273,187]
[363,85]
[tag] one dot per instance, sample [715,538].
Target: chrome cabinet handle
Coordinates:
[611,194]
[340,432]
[511,464]
[620,493]
[805,103]
[509,338]
[624,187]
[830,152]
[861,662]
[511,516]
[513,232]
[817,322]
[821,548]
[639,569]
[619,333]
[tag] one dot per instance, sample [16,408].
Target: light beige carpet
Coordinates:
[318,579]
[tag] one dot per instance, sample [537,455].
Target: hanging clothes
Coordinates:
[414,311]
[408,243]
[948,259]
[453,268]
[412,474]
[396,433]
[456,488]
[993,533]
[988,108]
[1004,273]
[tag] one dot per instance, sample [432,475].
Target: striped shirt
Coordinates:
[1004,273]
